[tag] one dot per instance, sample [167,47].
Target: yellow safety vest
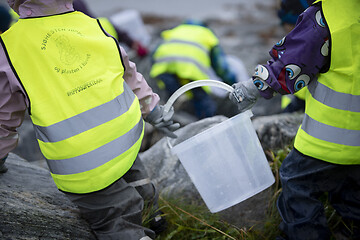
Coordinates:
[86,118]
[330,130]
[185,52]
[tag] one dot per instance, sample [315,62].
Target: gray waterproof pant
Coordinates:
[304,180]
[116,211]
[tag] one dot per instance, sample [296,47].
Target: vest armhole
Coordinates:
[116,42]
[15,73]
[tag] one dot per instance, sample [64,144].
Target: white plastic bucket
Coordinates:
[226,162]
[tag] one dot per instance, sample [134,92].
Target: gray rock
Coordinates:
[277,131]
[33,208]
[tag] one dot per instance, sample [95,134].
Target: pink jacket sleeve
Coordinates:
[12,106]
[148,99]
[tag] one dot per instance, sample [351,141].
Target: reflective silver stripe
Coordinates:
[86,120]
[98,156]
[329,133]
[208,71]
[188,43]
[334,99]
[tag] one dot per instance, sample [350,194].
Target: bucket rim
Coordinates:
[247,113]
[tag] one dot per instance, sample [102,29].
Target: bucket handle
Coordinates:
[194,84]
[191,85]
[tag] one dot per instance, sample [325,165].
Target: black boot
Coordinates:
[158,222]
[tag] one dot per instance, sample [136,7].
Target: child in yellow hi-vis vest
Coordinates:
[88,104]
[321,53]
